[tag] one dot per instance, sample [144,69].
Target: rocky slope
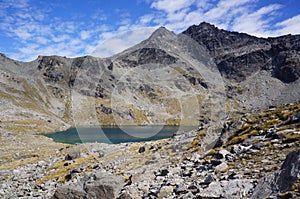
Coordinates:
[224,82]
[166,79]
[159,81]
[257,158]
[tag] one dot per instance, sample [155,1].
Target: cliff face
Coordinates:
[239,55]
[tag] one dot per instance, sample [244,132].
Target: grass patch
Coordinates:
[18,163]
[193,144]
[61,171]
[291,137]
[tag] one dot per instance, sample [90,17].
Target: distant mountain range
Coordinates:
[199,76]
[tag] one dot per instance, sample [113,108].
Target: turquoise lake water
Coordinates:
[116,135]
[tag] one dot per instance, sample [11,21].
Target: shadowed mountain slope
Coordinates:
[239,55]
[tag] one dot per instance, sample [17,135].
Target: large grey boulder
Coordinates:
[103,185]
[72,191]
[239,188]
[99,185]
[281,181]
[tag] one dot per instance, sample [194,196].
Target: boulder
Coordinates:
[228,189]
[69,192]
[142,149]
[214,190]
[72,156]
[282,180]
[165,191]
[209,179]
[99,185]
[99,190]
[221,168]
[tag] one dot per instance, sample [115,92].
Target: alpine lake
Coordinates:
[116,135]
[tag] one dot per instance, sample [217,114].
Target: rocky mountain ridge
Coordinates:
[251,68]
[239,55]
[133,81]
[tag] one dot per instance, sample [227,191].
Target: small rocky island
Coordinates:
[242,92]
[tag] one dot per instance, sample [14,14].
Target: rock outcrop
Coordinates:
[281,181]
[239,55]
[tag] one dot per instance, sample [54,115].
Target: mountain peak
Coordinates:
[230,49]
[161,29]
[161,32]
[206,25]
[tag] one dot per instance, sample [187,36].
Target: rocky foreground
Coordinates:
[256,156]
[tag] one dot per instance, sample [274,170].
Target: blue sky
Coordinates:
[71,28]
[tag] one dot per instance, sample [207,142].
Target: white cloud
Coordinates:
[223,8]
[178,16]
[205,4]
[4,4]
[289,26]
[85,34]
[170,5]
[256,23]
[117,42]
[110,47]
[60,38]
[99,15]
[146,19]
[23,33]
[29,49]
[42,40]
